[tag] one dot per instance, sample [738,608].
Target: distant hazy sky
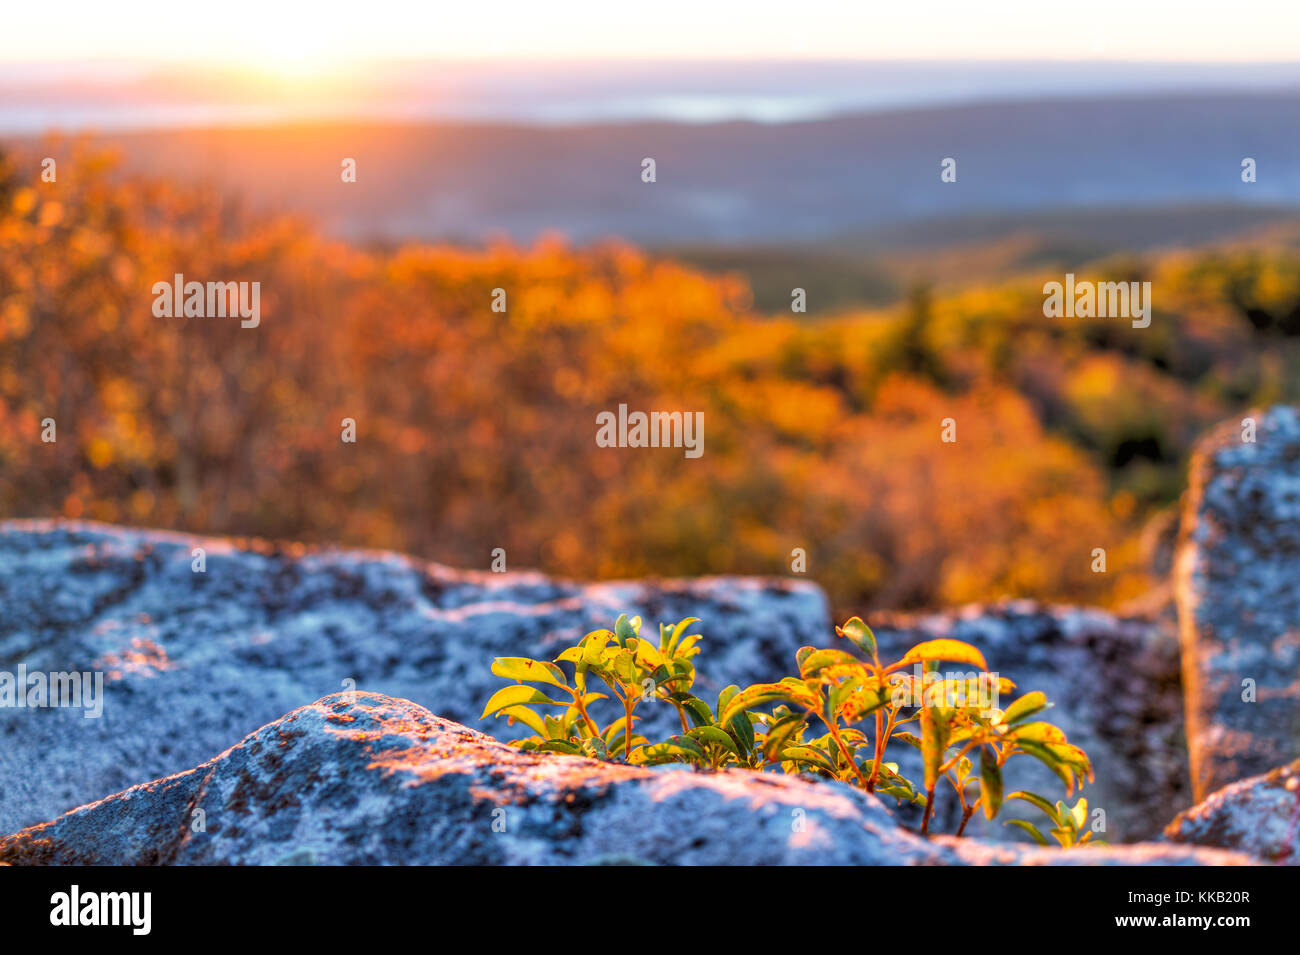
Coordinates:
[304,38]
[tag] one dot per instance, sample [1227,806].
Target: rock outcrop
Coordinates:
[1237,584]
[196,654]
[193,661]
[364,778]
[1259,816]
[1116,689]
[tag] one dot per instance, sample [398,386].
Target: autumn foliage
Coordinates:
[475,429]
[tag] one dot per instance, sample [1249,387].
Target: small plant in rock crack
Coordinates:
[635,670]
[1068,823]
[955,716]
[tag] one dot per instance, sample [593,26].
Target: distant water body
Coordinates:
[96,97]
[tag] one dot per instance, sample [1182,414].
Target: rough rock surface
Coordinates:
[194,661]
[1237,584]
[365,778]
[1259,816]
[1116,689]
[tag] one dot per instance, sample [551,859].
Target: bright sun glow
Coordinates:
[299,40]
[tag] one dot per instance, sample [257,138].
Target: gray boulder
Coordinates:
[364,778]
[1115,685]
[1259,816]
[1237,584]
[192,661]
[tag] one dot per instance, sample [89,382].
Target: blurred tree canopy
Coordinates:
[476,429]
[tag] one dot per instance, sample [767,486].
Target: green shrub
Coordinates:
[772,724]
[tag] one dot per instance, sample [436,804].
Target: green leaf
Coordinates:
[725,696]
[838,691]
[1030,828]
[856,631]
[1025,707]
[648,655]
[613,730]
[533,671]
[513,696]
[618,741]
[625,668]
[778,733]
[901,793]
[1079,813]
[530,719]
[555,729]
[1073,757]
[711,734]
[1049,759]
[760,693]
[854,737]
[559,746]
[740,728]
[593,647]
[1040,733]
[990,782]
[686,743]
[687,647]
[889,781]
[1036,800]
[911,739]
[697,710]
[936,725]
[686,750]
[820,659]
[623,630]
[678,631]
[806,754]
[742,731]
[859,701]
[955,651]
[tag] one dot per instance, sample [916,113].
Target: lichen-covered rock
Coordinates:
[368,779]
[193,660]
[1115,685]
[1259,816]
[1237,584]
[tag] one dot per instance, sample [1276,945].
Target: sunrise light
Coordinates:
[297,41]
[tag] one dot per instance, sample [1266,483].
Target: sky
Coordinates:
[305,39]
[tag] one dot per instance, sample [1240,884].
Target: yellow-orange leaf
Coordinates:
[956,651]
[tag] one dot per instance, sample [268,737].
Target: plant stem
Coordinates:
[929,811]
[681,713]
[878,751]
[966,813]
[956,759]
[582,711]
[628,706]
[844,750]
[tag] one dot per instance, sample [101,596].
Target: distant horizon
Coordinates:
[110,95]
